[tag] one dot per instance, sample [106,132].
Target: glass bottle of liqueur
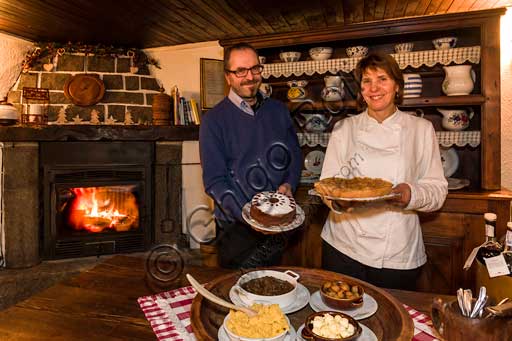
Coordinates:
[490,248]
[507,251]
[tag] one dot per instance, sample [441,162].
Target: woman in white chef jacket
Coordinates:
[382,244]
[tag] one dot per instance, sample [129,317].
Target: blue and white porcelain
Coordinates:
[444,43]
[290,56]
[412,85]
[357,51]
[320,53]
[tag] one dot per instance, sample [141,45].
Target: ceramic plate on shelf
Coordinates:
[454,183]
[314,160]
[450,161]
[366,334]
[301,300]
[368,308]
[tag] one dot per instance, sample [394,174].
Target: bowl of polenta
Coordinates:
[270,324]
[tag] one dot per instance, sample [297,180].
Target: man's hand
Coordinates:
[285,189]
[405,195]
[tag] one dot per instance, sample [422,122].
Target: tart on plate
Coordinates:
[353,188]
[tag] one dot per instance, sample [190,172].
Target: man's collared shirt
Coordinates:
[243,105]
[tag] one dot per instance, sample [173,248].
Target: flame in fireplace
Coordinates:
[97,209]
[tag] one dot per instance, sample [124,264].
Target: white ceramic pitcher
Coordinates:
[456,119]
[459,80]
[333,90]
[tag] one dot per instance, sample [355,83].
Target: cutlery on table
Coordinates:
[217,300]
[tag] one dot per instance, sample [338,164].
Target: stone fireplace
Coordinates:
[144,164]
[43,177]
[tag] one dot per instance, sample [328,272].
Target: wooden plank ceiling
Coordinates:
[154,23]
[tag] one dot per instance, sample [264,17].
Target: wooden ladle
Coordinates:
[217,300]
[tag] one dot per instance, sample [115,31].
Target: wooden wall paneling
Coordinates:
[369,10]
[334,13]
[421,8]
[490,85]
[297,20]
[380,9]
[400,8]
[353,11]
[410,8]
[253,17]
[390,8]
[314,16]
[445,5]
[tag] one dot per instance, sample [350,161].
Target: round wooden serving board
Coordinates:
[390,322]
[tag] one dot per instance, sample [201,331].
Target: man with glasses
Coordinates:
[247,145]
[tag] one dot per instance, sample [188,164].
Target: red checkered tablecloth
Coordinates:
[169,315]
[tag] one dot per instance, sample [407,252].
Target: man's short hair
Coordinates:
[236,47]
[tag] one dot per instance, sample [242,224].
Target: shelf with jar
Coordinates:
[413,59]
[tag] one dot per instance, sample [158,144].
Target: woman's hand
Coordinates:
[285,189]
[405,194]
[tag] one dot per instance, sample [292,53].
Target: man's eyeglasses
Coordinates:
[242,71]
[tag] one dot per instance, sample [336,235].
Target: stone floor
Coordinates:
[19,284]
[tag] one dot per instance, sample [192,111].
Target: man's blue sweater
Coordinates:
[242,154]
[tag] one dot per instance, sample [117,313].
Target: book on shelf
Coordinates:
[195,111]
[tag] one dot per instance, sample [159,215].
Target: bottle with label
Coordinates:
[491,247]
[507,250]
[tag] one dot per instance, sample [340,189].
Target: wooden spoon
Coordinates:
[217,300]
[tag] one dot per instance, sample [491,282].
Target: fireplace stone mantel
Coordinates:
[98,133]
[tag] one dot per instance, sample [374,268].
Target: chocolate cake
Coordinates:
[273,209]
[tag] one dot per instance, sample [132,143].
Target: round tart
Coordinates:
[353,188]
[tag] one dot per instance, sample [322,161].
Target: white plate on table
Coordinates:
[301,300]
[299,219]
[314,160]
[382,197]
[291,336]
[366,334]
[368,308]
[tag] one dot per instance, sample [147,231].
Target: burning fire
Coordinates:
[98,208]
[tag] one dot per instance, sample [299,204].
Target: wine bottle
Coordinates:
[490,248]
[507,250]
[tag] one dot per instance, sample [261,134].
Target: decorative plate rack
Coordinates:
[414,59]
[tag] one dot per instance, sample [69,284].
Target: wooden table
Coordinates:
[101,304]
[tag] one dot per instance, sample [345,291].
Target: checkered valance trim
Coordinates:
[414,59]
[445,138]
[458,138]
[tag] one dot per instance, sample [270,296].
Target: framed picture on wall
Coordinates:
[212,82]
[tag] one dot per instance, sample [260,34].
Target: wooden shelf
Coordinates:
[407,103]
[443,101]
[20,133]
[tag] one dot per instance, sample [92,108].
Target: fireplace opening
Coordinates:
[97,198]
[101,209]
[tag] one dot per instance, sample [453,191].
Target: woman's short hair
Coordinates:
[236,47]
[381,61]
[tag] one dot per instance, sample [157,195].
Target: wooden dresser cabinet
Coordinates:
[452,232]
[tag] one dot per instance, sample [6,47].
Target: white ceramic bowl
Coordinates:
[290,56]
[262,59]
[357,51]
[234,337]
[283,300]
[444,43]
[404,47]
[320,53]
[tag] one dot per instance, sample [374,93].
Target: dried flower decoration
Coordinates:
[49,52]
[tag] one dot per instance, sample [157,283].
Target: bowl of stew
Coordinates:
[268,286]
